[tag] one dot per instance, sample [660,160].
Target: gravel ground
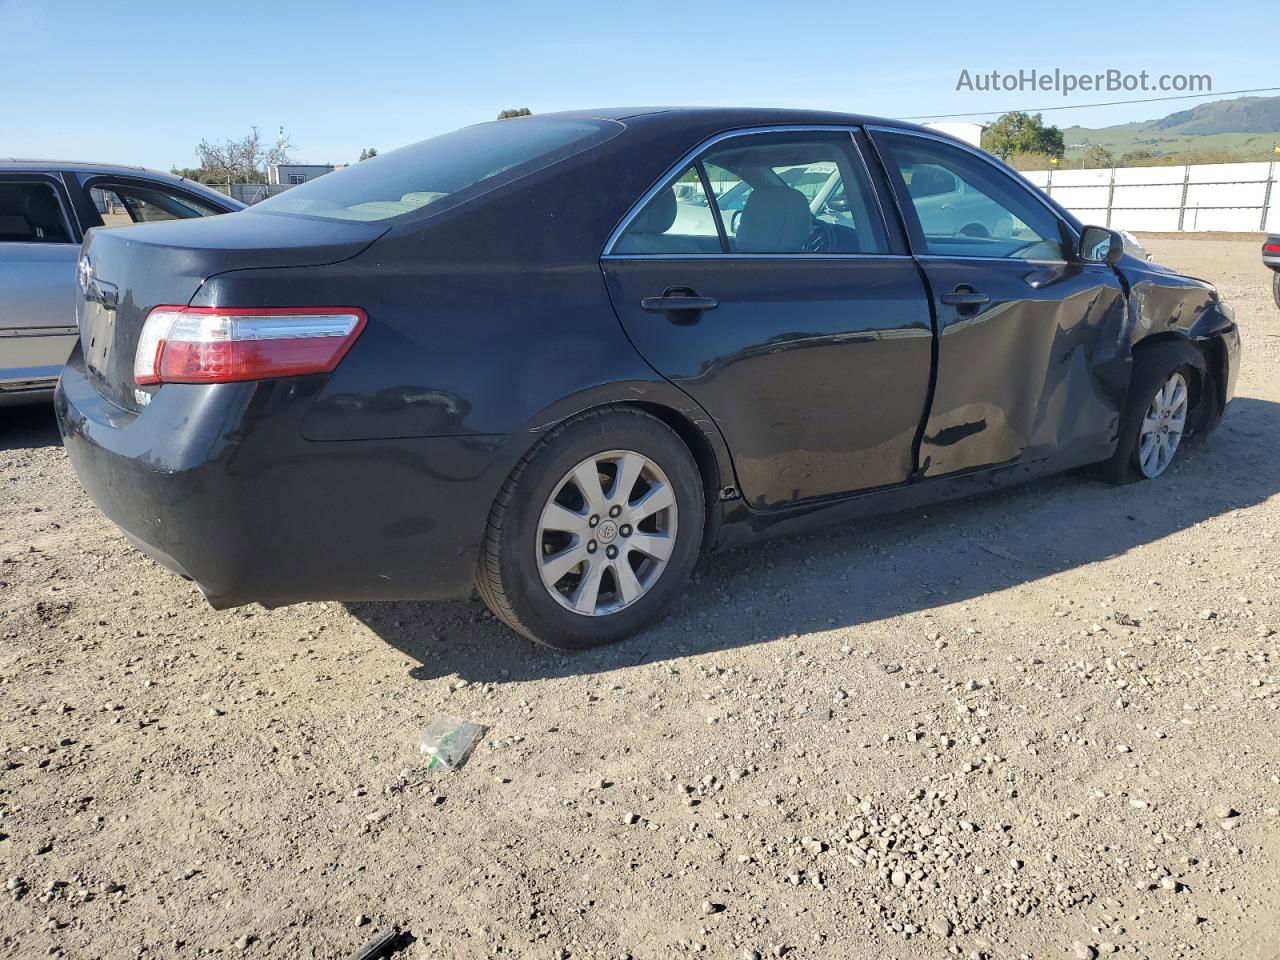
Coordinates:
[1040,724]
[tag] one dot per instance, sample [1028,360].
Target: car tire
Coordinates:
[535,571]
[1275,286]
[1163,367]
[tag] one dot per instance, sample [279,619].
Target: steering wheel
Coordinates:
[822,239]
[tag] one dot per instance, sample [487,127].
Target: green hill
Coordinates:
[1247,128]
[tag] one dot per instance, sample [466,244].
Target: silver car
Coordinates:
[45,209]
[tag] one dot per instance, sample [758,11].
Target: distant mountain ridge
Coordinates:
[1247,128]
[1246,115]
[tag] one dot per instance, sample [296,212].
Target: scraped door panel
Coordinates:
[1028,335]
[1026,374]
[816,370]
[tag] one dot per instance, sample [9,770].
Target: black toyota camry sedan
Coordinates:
[557,359]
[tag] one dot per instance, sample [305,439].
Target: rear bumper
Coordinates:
[218,484]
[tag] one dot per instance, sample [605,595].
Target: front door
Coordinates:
[1026,330]
[789,316]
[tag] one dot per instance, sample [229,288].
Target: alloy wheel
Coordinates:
[1163,426]
[606,533]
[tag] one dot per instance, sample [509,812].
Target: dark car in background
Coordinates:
[1271,257]
[535,357]
[46,207]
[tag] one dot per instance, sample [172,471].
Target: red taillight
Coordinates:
[1272,248]
[228,344]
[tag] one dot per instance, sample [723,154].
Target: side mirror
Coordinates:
[1100,245]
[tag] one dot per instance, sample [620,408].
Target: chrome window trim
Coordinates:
[986,158]
[960,256]
[694,155]
[759,256]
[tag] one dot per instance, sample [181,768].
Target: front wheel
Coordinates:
[595,532]
[1157,414]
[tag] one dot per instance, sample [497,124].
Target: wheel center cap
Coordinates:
[607,532]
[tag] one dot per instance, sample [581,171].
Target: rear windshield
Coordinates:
[441,171]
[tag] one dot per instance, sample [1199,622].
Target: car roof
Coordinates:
[16,165]
[735,117]
[20,165]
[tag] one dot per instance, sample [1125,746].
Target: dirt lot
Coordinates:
[1042,724]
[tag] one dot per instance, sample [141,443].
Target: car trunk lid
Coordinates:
[124,273]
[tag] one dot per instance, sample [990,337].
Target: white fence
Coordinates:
[1210,196]
[251,192]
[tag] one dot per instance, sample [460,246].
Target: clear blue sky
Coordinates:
[144,81]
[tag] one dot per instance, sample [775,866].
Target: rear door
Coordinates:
[804,333]
[39,245]
[1026,330]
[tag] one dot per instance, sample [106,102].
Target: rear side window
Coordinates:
[794,194]
[677,219]
[442,171]
[30,213]
[122,205]
[771,193]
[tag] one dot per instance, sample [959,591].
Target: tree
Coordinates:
[242,161]
[1099,156]
[190,173]
[509,114]
[1137,158]
[1019,132]
[1030,161]
[368,153]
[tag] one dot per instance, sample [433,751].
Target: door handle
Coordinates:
[964,297]
[671,302]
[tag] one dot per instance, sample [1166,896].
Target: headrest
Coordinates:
[928,181]
[41,210]
[775,219]
[658,214]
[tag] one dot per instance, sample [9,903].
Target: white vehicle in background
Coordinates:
[46,207]
[947,207]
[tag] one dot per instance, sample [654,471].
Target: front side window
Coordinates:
[30,213]
[121,205]
[442,171]
[967,207]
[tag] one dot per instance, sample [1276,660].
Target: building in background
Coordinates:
[292,174]
[970,133]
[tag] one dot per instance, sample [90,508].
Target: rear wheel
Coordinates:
[1275,286]
[595,532]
